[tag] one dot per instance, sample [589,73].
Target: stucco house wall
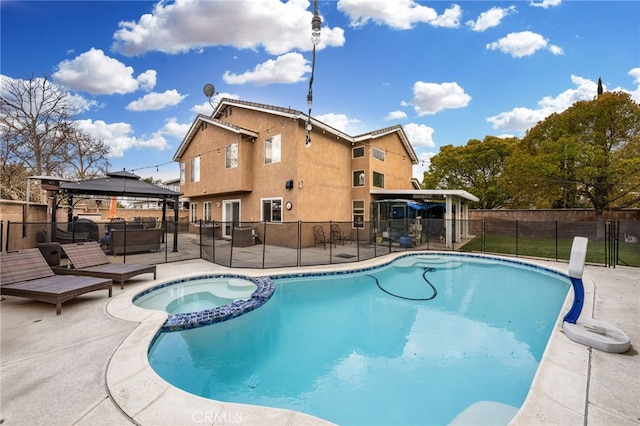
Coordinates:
[322,174]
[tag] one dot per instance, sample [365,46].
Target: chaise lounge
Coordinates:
[88,259]
[26,273]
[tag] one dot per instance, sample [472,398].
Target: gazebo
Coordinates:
[123,184]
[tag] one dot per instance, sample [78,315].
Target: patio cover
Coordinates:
[124,184]
[458,197]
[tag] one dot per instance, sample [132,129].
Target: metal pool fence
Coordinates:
[292,244]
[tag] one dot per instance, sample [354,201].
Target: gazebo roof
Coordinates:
[122,184]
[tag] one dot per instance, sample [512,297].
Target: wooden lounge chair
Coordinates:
[25,273]
[88,259]
[338,235]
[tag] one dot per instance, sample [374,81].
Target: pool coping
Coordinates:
[146,398]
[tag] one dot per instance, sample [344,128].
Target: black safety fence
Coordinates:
[295,244]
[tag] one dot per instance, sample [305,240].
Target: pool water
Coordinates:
[195,295]
[352,349]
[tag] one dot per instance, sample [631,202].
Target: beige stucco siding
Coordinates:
[322,174]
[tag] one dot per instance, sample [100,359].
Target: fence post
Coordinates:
[124,253]
[607,231]
[200,235]
[330,243]
[213,242]
[264,241]
[556,240]
[516,238]
[299,251]
[617,243]
[231,249]
[483,245]
[358,242]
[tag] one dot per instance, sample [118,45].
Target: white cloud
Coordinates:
[545,4]
[174,129]
[285,69]
[491,18]
[340,122]
[118,136]
[96,73]
[205,108]
[430,98]
[635,94]
[522,119]
[524,43]
[419,135]
[398,14]
[156,101]
[184,25]
[147,79]
[396,115]
[449,19]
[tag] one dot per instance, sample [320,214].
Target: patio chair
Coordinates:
[338,235]
[88,259]
[25,273]
[319,238]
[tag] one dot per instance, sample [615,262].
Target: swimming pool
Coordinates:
[352,349]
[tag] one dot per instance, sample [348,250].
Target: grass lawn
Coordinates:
[628,253]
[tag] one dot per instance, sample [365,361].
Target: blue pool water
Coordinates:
[349,349]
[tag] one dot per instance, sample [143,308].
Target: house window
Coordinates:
[231,156]
[272,150]
[193,212]
[358,213]
[272,210]
[378,180]
[207,211]
[195,170]
[357,152]
[358,178]
[183,174]
[378,154]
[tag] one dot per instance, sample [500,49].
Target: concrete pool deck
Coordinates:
[71,369]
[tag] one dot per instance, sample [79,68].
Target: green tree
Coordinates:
[153,181]
[587,155]
[476,167]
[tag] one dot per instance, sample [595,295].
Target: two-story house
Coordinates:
[250,163]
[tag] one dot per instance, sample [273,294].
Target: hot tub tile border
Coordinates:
[185,321]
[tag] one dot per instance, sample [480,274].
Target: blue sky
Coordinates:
[447,71]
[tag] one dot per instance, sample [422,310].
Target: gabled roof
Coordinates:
[387,130]
[118,184]
[201,118]
[290,114]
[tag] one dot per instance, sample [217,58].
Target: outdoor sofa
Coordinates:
[88,259]
[26,273]
[134,240]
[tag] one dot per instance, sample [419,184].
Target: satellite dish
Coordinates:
[209,90]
